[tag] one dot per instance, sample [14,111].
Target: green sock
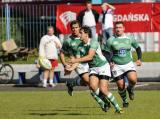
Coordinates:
[130,88]
[103,98]
[112,99]
[123,95]
[75,82]
[99,100]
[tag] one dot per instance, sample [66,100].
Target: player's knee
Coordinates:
[132,76]
[86,82]
[104,90]
[132,80]
[85,77]
[93,86]
[121,87]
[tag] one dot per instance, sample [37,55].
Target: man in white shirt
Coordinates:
[106,20]
[89,17]
[48,49]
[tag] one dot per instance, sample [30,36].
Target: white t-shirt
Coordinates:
[108,19]
[88,19]
[47,47]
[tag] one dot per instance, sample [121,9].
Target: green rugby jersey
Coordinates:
[98,59]
[70,45]
[121,48]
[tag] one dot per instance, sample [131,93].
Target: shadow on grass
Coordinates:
[66,109]
[81,107]
[53,114]
[70,111]
[59,110]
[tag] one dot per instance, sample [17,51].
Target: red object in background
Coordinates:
[138,17]
[156,17]
[65,14]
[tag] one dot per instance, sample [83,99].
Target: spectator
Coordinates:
[89,17]
[106,20]
[48,49]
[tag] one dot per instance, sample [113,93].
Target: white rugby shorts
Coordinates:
[101,71]
[82,68]
[118,70]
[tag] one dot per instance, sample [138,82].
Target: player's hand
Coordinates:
[111,64]
[67,66]
[72,60]
[73,67]
[66,69]
[138,63]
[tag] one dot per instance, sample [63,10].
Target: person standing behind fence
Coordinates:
[89,17]
[106,20]
[48,49]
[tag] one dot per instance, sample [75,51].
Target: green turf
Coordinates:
[58,105]
[149,56]
[31,60]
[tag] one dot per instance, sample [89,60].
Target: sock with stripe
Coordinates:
[131,87]
[112,99]
[104,98]
[97,98]
[75,82]
[122,93]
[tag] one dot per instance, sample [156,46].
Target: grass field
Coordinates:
[148,56]
[58,105]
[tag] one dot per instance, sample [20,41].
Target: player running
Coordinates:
[121,62]
[89,51]
[70,48]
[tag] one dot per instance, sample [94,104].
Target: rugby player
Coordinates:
[119,47]
[89,51]
[70,47]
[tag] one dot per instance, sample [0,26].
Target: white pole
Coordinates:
[7,16]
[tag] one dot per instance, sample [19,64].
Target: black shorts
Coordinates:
[100,77]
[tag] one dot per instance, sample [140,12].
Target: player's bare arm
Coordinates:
[62,57]
[86,58]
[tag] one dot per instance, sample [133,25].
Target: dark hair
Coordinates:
[74,22]
[87,30]
[119,22]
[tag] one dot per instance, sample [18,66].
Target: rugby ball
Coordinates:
[45,63]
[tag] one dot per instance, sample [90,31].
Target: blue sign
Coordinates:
[96,1]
